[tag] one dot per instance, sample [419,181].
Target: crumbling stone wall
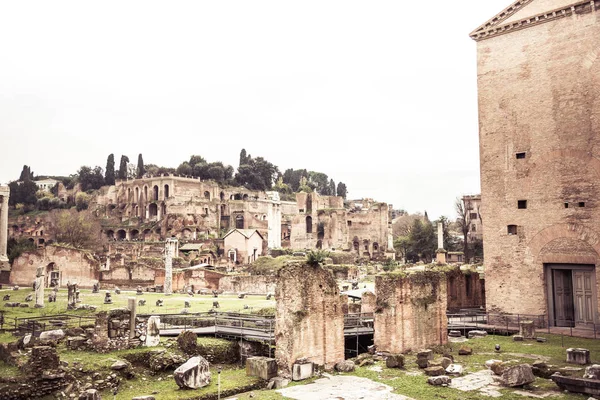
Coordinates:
[547,155]
[73,265]
[251,284]
[410,311]
[466,289]
[310,319]
[368,303]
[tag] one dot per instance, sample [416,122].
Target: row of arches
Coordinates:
[137,195]
[132,234]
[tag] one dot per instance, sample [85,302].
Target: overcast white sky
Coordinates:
[381,95]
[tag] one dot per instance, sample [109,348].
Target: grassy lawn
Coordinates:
[172,304]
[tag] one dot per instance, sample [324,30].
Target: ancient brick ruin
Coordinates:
[310,318]
[410,311]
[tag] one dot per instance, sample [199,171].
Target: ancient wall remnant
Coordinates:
[310,319]
[466,289]
[410,311]
[61,264]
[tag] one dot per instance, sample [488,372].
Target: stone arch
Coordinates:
[309,227]
[356,243]
[155,193]
[137,195]
[564,231]
[186,233]
[222,196]
[134,234]
[121,234]
[129,198]
[153,210]
[207,195]
[145,192]
[239,221]
[245,197]
[375,246]
[110,234]
[366,244]
[166,192]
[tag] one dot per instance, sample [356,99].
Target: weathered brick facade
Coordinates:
[539,113]
[310,317]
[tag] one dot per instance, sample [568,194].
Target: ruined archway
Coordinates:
[166,192]
[110,234]
[153,210]
[309,227]
[155,193]
[207,195]
[121,234]
[239,221]
[134,234]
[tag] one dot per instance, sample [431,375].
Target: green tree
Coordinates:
[342,190]
[140,167]
[257,174]
[243,158]
[76,229]
[319,181]
[26,174]
[422,240]
[90,179]
[402,246]
[464,224]
[82,201]
[16,247]
[332,190]
[122,174]
[109,176]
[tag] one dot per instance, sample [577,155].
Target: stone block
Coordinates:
[541,340]
[527,329]
[518,375]
[592,372]
[441,380]
[90,394]
[345,366]
[454,370]
[193,374]
[489,363]
[262,367]
[518,338]
[435,371]
[143,398]
[578,356]
[119,365]
[278,383]
[454,334]
[394,361]
[301,372]
[465,351]
[477,334]
[52,335]
[445,362]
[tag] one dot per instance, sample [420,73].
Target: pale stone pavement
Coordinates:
[341,387]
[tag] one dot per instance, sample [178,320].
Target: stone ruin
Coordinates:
[310,318]
[72,296]
[39,287]
[410,311]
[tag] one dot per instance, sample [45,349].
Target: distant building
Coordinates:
[472,206]
[46,185]
[243,245]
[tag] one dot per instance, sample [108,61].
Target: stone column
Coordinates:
[132,305]
[170,247]
[441,253]
[72,297]
[4,194]
[39,287]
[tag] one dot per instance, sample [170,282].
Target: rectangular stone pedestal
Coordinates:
[261,367]
[578,356]
[301,372]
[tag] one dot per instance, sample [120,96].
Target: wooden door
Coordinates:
[584,297]
[563,297]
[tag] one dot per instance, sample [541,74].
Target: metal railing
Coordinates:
[37,325]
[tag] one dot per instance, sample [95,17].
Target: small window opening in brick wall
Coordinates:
[522,204]
[566,205]
[521,156]
[511,229]
[582,204]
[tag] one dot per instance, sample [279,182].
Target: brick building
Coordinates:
[539,113]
